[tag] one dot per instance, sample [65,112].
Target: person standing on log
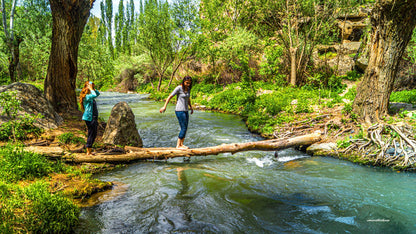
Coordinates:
[90,116]
[183,93]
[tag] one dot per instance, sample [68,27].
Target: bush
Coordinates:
[404,96]
[18,127]
[33,209]
[17,164]
[272,103]
[69,137]
[49,213]
[234,99]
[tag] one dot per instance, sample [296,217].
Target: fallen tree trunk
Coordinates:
[135,154]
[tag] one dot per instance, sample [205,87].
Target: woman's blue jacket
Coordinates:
[88,104]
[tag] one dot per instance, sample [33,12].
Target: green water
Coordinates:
[250,192]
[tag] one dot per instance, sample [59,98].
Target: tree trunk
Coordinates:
[68,19]
[14,58]
[135,153]
[293,66]
[392,22]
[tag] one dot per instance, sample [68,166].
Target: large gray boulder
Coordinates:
[33,102]
[121,127]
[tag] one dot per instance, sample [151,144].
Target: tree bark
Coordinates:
[135,154]
[14,57]
[68,19]
[293,52]
[392,23]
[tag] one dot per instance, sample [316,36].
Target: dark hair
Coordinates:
[185,79]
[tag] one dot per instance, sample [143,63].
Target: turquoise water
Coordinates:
[250,192]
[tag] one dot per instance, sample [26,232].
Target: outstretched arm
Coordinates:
[166,104]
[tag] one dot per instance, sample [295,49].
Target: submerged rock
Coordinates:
[121,127]
[33,102]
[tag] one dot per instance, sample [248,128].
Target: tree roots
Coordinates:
[386,145]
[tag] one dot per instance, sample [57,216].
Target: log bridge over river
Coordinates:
[132,154]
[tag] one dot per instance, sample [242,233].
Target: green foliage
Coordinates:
[237,50]
[34,24]
[95,61]
[233,99]
[269,67]
[342,144]
[69,137]
[4,74]
[406,96]
[33,209]
[156,35]
[203,88]
[347,108]
[328,55]
[351,93]
[411,48]
[353,75]
[18,164]
[51,213]
[18,127]
[274,103]
[403,113]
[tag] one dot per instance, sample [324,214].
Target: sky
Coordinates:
[97,12]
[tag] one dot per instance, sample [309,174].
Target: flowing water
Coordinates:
[250,192]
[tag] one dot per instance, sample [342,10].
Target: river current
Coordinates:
[248,192]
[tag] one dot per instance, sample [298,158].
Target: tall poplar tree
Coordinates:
[119,23]
[107,23]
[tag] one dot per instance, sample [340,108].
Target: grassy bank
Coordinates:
[26,202]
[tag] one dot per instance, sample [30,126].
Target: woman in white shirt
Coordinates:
[181,110]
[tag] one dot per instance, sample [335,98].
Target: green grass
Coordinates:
[406,96]
[26,204]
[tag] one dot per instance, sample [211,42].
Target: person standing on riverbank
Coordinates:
[90,116]
[183,93]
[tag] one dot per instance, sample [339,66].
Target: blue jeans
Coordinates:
[183,118]
[92,131]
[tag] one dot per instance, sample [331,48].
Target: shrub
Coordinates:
[69,137]
[17,164]
[19,127]
[234,99]
[407,96]
[272,103]
[49,213]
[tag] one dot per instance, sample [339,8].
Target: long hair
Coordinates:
[183,82]
[84,93]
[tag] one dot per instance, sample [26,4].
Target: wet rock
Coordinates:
[33,102]
[322,149]
[121,127]
[390,151]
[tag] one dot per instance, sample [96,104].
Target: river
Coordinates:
[248,192]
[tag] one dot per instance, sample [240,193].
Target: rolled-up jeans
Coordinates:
[183,118]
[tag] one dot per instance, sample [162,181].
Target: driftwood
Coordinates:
[135,154]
